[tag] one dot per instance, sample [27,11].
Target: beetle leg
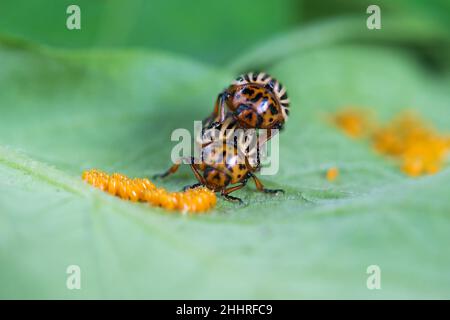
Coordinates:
[232,199]
[219,108]
[249,166]
[170,171]
[226,192]
[260,186]
[192,186]
[222,98]
[222,111]
[174,167]
[265,138]
[218,114]
[197,174]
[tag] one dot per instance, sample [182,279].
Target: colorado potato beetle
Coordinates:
[255,100]
[224,166]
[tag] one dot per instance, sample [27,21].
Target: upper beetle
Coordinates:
[255,100]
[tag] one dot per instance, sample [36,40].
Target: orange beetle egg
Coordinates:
[193,200]
[332,174]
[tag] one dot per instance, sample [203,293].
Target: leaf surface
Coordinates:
[64,112]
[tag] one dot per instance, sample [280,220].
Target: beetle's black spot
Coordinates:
[239,176]
[260,120]
[271,120]
[257,97]
[242,166]
[227,179]
[217,176]
[273,109]
[248,91]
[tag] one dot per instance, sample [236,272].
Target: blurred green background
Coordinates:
[214,31]
[109,96]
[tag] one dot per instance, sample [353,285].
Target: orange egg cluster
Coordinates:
[192,200]
[354,122]
[418,147]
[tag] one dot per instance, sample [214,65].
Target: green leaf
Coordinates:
[63,112]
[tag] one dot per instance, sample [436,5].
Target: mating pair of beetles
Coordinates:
[253,101]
